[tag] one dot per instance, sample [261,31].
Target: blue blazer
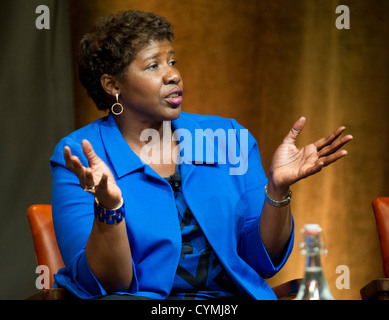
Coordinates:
[226,205]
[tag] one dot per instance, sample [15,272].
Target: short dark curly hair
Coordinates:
[112,46]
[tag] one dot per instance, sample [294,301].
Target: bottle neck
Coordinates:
[313,261]
[313,251]
[314,285]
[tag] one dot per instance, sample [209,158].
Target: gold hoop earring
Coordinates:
[117,104]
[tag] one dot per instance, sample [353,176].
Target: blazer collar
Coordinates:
[125,161]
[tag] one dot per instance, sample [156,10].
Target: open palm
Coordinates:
[291,164]
[97,178]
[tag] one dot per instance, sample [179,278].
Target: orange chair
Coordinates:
[47,253]
[46,247]
[379,288]
[381,212]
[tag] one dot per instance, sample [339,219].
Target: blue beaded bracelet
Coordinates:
[109,216]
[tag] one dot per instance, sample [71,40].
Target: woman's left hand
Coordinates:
[291,164]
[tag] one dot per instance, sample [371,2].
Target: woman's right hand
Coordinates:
[97,175]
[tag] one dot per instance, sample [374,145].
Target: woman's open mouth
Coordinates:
[174,97]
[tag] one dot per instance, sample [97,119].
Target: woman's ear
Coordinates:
[110,84]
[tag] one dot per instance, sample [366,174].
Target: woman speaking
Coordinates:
[165,218]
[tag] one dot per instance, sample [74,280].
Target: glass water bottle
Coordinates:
[314,285]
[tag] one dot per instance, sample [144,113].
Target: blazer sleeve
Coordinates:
[73,217]
[251,247]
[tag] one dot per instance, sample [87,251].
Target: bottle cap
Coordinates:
[312,229]
[310,248]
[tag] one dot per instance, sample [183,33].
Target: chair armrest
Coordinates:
[287,290]
[376,290]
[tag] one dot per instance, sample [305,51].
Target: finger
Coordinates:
[333,157]
[321,143]
[90,154]
[335,146]
[89,180]
[73,162]
[67,155]
[295,130]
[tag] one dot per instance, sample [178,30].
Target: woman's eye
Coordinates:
[152,66]
[172,62]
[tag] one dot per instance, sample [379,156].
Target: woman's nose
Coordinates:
[172,76]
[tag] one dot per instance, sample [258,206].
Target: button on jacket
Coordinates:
[226,204]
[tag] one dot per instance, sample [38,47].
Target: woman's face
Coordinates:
[152,90]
